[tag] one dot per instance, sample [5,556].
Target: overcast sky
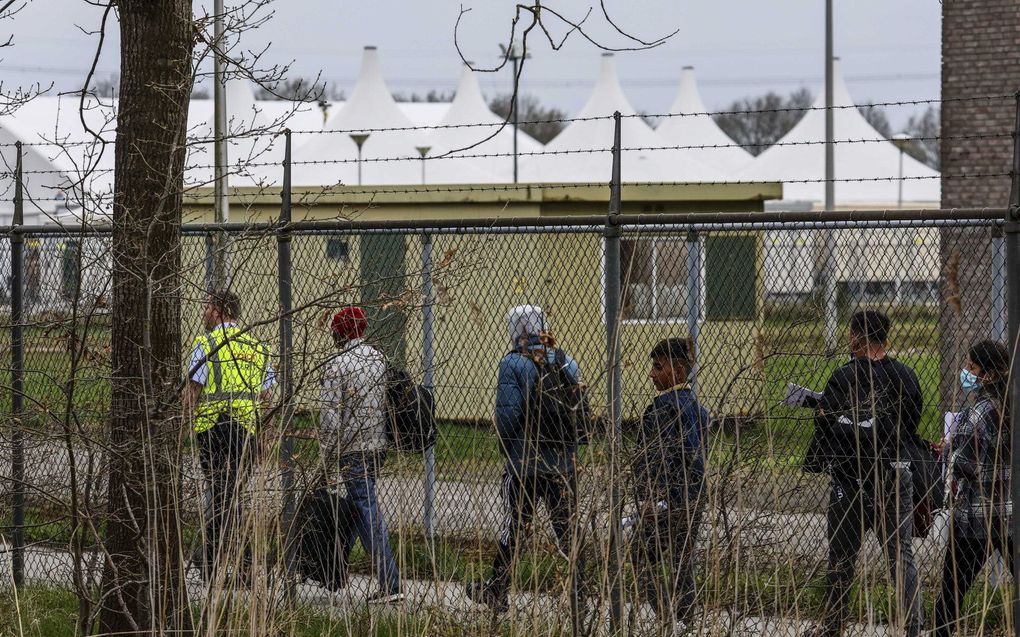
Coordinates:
[890,49]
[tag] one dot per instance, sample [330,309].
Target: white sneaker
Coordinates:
[380,597]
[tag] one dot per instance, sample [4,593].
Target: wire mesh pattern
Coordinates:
[764,306]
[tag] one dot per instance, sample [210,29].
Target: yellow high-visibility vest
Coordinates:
[237,366]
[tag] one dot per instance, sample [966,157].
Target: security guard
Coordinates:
[230,381]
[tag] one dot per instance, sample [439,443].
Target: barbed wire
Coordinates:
[568,120]
[558,120]
[256,164]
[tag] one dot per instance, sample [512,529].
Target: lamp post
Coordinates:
[828,235]
[423,150]
[901,141]
[324,107]
[359,139]
[511,53]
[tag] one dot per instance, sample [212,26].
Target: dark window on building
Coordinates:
[654,278]
[731,273]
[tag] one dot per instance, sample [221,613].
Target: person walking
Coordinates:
[230,383]
[353,438]
[538,442]
[669,481]
[980,505]
[865,433]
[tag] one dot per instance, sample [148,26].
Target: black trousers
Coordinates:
[663,559]
[521,495]
[227,453]
[853,510]
[965,557]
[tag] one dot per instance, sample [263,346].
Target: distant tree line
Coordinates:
[758,122]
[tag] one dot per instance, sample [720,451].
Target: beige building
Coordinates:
[477,276]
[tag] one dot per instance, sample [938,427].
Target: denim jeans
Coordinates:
[359,471]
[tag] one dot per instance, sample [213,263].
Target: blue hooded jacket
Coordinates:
[670,459]
[517,378]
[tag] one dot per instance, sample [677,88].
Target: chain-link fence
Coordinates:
[764,304]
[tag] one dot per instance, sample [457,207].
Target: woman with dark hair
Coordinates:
[979,459]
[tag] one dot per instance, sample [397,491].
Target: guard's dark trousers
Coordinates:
[227,453]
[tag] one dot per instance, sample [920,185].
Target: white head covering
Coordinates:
[525,320]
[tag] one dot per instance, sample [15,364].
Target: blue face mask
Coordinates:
[969,381]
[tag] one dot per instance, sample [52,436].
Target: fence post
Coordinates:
[286,371]
[998,284]
[1012,228]
[17,380]
[614,397]
[694,301]
[428,376]
[1012,239]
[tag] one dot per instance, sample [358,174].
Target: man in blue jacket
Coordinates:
[669,480]
[539,455]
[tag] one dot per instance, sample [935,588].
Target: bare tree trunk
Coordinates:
[143,579]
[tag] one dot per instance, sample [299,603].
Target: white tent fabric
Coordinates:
[331,156]
[692,126]
[371,106]
[469,107]
[252,142]
[642,165]
[54,174]
[796,159]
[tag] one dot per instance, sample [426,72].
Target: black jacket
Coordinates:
[868,416]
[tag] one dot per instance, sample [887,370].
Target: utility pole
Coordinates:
[221,277]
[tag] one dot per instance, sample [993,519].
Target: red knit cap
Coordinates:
[349,323]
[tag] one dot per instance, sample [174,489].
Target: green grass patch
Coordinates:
[38,612]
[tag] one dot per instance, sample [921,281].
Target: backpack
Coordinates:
[410,412]
[327,522]
[557,406]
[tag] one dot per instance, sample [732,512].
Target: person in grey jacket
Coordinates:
[536,467]
[353,434]
[980,504]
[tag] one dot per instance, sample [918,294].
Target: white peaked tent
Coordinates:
[794,159]
[691,126]
[52,172]
[469,107]
[43,177]
[371,106]
[597,134]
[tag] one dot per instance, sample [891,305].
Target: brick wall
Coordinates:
[980,56]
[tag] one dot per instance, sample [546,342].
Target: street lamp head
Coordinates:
[359,139]
[901,140]
[512,52]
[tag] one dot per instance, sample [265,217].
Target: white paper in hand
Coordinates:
[949,423]
[797,395]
